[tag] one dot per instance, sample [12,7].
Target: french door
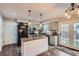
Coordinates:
[76,35]
[69,34]
[64,34]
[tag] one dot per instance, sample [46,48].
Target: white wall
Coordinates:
[1,32]
[10,32]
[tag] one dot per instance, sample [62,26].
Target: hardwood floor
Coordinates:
[53,52]
[68,50]
[11,50]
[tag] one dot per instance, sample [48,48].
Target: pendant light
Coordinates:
[66,14]
[73,7]
[41,20]
[29,17]
[78,9]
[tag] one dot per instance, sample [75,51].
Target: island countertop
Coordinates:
[32,38]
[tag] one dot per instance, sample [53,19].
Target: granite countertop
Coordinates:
[32,38]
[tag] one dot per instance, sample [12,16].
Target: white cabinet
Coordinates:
[34,47]
[52,40]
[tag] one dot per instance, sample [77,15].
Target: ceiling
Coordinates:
[20,10]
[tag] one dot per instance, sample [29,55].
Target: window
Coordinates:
[45,27]
[64,34]
[76,35]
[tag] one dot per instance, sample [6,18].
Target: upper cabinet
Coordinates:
[53,26]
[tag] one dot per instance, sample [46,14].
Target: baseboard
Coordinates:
[10,44]
[51,44]
[0,49]
[69,48]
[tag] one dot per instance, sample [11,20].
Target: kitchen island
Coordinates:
[33,46]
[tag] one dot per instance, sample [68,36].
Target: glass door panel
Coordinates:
[45,28]
[64,34]
[76,35]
